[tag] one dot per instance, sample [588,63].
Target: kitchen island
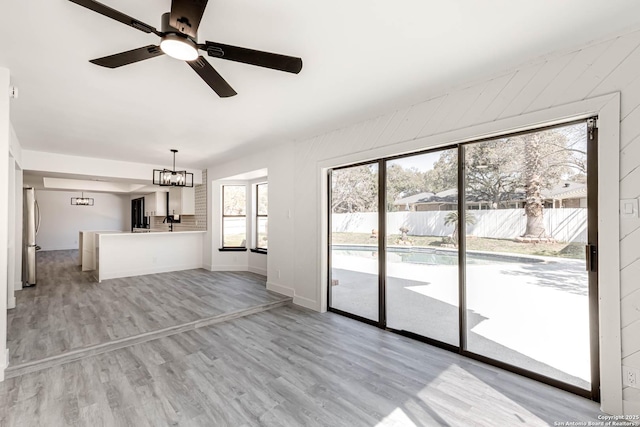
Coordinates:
[136,254]
[87,247]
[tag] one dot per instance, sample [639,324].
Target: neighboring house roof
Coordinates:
[567,190]
[446,196]
[416,198]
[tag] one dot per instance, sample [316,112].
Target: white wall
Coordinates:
[14,146]
[15,151]
[17,280]
[11,235]
[4,214]
[62,221]
[279,161]
[257,262]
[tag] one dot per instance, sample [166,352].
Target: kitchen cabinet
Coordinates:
[182,201]
[155,204]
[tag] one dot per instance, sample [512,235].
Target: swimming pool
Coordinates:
[427,256]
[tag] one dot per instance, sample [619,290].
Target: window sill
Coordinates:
[232,249]
[259,251]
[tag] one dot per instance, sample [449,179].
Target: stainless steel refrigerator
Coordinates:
[31,224]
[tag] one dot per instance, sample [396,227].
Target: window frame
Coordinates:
[224,216]
[257,248]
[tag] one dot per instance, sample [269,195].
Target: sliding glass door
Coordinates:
[354,276]
[482,250]
[527,289]
[421,245]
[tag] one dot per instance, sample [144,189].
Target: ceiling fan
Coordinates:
[179,39]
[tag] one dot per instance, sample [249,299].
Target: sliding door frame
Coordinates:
[377,323]
[383,248]
[592,198]
[592,205]
[592,247]
[382,243]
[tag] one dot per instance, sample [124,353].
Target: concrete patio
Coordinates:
[518,312]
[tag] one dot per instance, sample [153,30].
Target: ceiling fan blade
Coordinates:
[186,15]
[128,57]
[114,14]
[274,61]
[211,77]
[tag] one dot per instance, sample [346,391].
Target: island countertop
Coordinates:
[135,254]
[145,233]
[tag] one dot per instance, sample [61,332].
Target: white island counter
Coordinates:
[135,254]
[87,247]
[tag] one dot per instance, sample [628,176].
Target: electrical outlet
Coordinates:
[278,274]
[630,376]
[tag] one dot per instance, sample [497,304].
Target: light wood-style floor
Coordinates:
[69,310]
[284,367]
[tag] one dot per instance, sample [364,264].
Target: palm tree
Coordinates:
[452,219]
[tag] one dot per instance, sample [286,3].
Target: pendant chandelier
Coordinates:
[82,201]
[174,178]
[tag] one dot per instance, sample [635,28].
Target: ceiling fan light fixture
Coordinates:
[179,39]
[179,47]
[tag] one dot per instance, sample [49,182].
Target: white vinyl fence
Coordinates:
[564,224]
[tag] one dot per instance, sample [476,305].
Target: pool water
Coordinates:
[421,257]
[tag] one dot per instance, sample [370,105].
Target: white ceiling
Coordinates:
[361,58]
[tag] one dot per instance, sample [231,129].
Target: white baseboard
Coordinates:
[260,271]
[306,302]
[17,286]
[11,302]
[5,365]
[279,289]
[229,268]
[208,267]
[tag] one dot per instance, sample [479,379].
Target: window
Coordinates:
[234,216]
[262,208]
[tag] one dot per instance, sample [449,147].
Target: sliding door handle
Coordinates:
[591,257]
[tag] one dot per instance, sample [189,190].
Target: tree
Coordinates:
[444,174]
[235,199]
[452,219]
[355,189]
[501,171]
[493,172]
[403,182]
[546,160]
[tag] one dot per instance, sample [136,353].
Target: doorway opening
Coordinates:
[138,217]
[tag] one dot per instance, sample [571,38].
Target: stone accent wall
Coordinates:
[201,203]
